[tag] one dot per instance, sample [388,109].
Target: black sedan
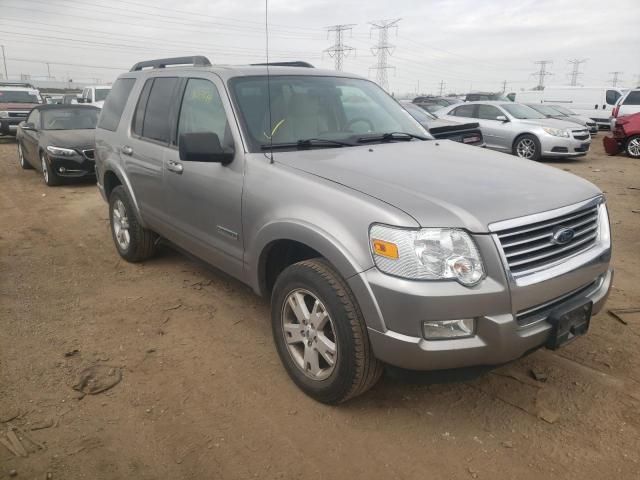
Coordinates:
[58,140]
[468,133]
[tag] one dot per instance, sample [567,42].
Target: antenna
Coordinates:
[266,32]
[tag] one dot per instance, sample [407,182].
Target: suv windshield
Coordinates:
[522,112]
[101,94]
[546,110]
[70,119]
[307,107]
[18,96]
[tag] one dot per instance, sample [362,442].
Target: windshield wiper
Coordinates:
[307,143]
[387,137]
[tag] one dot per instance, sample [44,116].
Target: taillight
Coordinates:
[615,111]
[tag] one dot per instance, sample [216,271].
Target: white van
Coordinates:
[95,94]
[593,102]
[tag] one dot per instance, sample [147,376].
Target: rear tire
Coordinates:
[133,242]
[528,147]
[334,360]
[23,161]
[633,146]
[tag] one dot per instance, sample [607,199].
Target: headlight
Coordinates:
[61,152]
[4,114]
[604,230]
[556,132]
[427,254]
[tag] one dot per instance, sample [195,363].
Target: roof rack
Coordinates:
[196,61]
[296,63]
[16,84]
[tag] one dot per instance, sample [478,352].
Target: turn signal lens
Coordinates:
[385,249]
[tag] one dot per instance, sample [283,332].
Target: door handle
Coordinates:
[175,166]
[596,106]
[127,150]
[604,107]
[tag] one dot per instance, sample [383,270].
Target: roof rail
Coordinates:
[296,63]
[196,61]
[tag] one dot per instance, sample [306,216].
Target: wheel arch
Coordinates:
[111,178]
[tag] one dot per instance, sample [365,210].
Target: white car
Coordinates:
[628,104]
[95,95]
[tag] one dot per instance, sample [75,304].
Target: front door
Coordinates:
[493,130]
[203,199]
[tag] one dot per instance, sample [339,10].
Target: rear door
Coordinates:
[611,98]
[493,130]
[203,199]
[151,129]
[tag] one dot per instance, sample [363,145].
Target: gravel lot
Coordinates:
[203,394]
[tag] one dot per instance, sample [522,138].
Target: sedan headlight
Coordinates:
[427,254]
[61,152]
[4,114]
[556,132]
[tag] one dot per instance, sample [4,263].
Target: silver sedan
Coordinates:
[520,130]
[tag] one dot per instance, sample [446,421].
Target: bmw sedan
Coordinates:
[58,141]
[515,128]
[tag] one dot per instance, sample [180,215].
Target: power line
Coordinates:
[542,73]
[339,50]
[575,71]
[383,50]
[615,78]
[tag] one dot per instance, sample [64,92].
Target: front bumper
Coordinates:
[564,147]
[395,309]
[73,167]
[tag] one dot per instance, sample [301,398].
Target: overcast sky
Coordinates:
[467,44]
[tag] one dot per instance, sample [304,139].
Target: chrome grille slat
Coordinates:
[531,247]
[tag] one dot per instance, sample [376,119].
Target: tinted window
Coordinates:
[633,98]
[138,115]
[34,117]
[488,112]
[115,103]
[464,111]
[202,110]
[18,96]
[157,124]
[612,96]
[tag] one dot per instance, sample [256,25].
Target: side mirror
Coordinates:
[204,147]
[27,126]
[502,118]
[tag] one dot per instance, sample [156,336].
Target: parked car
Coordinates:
[626,136]
[58,140]
[374,244]
[628,104]
[95,95]
[485,96]
[16,100]
[468,133]
[594,102]
[554,111]
[433,104]
[520,130]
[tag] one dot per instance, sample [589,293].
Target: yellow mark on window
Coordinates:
[275,129]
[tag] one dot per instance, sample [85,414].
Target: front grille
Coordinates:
[541,312]
[17,114]
[89,153]
[532,247]
[581,134]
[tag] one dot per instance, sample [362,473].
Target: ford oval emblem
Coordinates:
[563,235]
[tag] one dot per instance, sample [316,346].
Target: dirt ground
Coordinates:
[203,394]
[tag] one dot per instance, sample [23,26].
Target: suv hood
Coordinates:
[445,184]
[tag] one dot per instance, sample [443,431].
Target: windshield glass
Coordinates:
[418,113]
[101,94]
[81,118]
[18,96]
[545,110]
[316,107]
[522,112]
[562,110]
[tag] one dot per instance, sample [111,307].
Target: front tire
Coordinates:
[320,333]
[633,146]
[48,174]
[133,242]
[527,146]
[23,161]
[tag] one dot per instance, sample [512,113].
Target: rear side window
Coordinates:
[157,123]
[612,96]
[633,98]
[115,103]
[138,116]
[464,111]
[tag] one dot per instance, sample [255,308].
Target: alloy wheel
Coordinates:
[526,148]
[634,147]
[45,169]
[121,225]
[20,155]
[309,334]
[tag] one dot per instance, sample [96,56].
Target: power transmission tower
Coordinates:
[504,86]
[339,50]
[542,72]
[575,71]
[615,78]
[441,87]
[383,49]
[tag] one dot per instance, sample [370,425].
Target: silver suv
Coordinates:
[376,244]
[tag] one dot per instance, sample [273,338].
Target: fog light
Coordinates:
[444,329]
[62,169]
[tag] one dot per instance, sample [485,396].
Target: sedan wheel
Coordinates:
[633,147]
[45,169]
[526,148]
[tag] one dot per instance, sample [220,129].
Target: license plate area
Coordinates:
[569,322]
